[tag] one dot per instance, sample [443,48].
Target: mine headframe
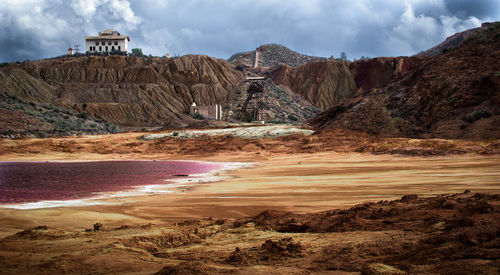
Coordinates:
[253,91]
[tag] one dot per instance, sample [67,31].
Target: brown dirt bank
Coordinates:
[447,234]
[129,146]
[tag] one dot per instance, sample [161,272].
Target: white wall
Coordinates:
[122,45]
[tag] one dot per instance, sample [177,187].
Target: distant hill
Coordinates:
[454,41]
[273,55]
[452,95]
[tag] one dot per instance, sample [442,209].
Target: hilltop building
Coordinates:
[71,51]
[107,41]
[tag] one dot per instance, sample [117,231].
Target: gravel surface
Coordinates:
[243,132]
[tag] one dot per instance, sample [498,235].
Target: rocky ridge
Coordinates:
[454,41]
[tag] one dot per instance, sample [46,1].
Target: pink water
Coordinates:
[38,181]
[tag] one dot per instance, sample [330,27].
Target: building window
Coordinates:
[113,48]
[106,48]
[103,43]
[100,48]
[120,48]
[109,42]
[97,43]
[116,43]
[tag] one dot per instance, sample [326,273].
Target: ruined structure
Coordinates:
[210,111]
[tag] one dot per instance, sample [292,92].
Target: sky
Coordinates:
[35,29]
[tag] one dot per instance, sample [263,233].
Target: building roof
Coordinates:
[107,37]
[108,34]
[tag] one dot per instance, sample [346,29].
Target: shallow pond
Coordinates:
[37,181]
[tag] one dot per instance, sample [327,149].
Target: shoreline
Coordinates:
[174,185]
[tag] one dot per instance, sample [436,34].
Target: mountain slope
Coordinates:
[453,95]
[21,118]
[323,83]
[128,91]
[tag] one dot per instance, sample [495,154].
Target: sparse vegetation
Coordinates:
[25,118]
[137,52]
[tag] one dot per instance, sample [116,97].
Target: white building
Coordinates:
[107,41]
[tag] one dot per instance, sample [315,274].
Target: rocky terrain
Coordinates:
[453,95]
[277,104]
[446,234]
[273,55]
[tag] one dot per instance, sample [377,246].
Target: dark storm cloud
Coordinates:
[478,8]
[32,29]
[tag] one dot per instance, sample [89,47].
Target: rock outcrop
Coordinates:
[128,91]
[377,72]
[323,83]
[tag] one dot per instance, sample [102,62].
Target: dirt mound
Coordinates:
[381,269]
[448,230]
[410,213]
[277,104]
[187,268]
[323,83]
[272,55]
[128,91]
[453,95]
[268,252]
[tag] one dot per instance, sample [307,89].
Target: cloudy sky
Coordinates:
[34,29]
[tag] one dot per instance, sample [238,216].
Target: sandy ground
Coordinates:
[298,183]
[279,180]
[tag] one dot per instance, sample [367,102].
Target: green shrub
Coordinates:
[198,116]
[292,117]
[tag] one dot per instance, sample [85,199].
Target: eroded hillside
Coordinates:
[128,91]
[453,95]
